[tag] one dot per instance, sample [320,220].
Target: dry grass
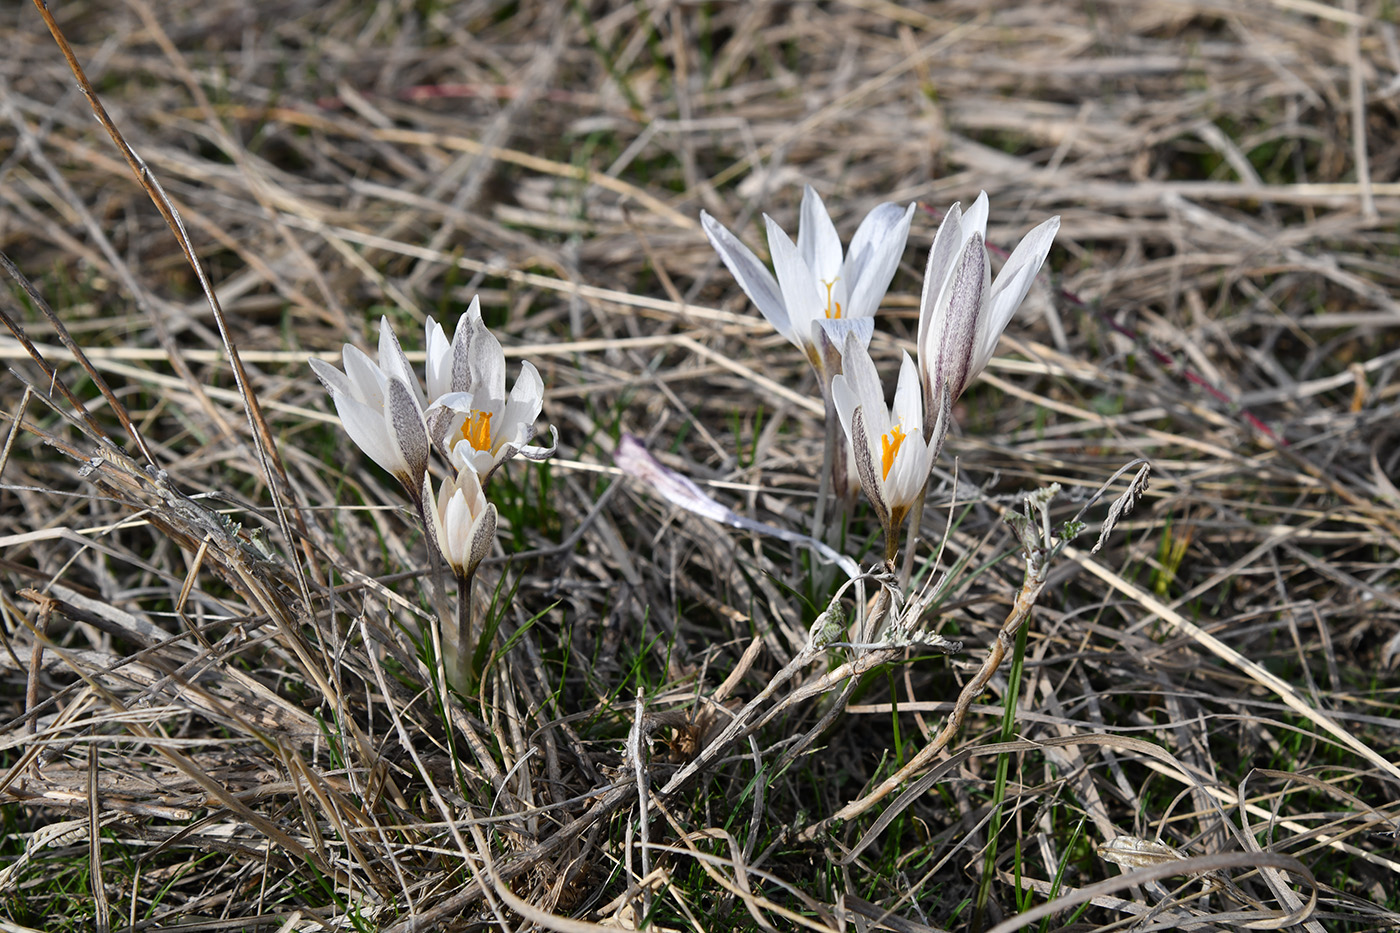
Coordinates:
[203,734]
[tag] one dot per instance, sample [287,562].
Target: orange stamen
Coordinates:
[889,447]
[476,430]
[832,304]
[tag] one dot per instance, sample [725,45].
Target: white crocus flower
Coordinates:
[462,521]
[381,407]
[481,425]
[891,455]
[962,312]
[820,294]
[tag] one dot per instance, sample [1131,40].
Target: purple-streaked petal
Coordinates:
[483,532]
[963,298]
[541,453]
[394,363]
[460,374]
[941,423]
[333,379]
[870,473]
[440,422]
[941,256]
[874,258]
[753,277]
[828,355]
[407,430]
[433,508]
[632,458]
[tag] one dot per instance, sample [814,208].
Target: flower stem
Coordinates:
[437,591]
[833,431]
[916,517]
[464,631]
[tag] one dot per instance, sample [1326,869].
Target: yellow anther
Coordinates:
[889,447]
[830,305]
[476,430]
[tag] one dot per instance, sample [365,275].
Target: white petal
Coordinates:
[874,258]
[523,407]
[860,406]
[370,432]
[457,521]
[456,401]
[908,407]
[438,369]
[804,299]
[753,277]
[864,381]
[843,399]
[975,220]
[817,240]
[366,380]
[467,457]
[909,473]
[1011,286]
[444,496]
[470,484]
[485,359]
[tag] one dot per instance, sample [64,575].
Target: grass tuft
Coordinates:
[222,704]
